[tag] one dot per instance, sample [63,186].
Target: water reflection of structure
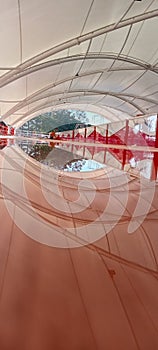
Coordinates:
[82,165]
[62,154]
[3,143]
[6,142]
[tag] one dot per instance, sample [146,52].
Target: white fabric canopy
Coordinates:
[98,55]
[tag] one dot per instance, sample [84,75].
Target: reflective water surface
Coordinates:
[71,157]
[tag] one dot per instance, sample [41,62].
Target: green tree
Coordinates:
[60,120]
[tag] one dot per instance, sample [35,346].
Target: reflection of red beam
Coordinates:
[95,134]
[85,134]
[107,131]
[154,167]
[3,143]
[125,142]
[110,145]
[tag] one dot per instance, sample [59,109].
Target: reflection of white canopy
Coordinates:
[98,55]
